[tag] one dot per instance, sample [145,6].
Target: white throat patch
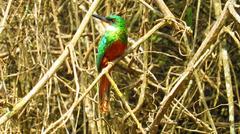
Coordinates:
[111,28]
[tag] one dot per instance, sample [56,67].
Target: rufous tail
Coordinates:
[104,94]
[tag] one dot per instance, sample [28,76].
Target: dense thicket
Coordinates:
[180,75]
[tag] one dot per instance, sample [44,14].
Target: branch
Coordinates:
[118,92]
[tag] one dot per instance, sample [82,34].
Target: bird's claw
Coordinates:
[110,63]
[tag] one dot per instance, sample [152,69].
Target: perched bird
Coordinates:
[112,45]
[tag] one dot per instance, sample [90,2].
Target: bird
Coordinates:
[112,45]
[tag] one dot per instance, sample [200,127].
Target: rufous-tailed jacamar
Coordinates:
[112,45]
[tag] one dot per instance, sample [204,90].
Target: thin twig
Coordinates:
[118,92]
[229,87]
[3,22]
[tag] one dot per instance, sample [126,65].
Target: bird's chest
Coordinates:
[112,52]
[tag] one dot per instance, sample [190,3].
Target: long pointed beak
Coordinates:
[101,18]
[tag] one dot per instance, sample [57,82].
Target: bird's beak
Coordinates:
[101,18]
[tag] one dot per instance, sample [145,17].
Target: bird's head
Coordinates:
[113,20]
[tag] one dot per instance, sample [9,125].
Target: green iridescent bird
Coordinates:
[112,45]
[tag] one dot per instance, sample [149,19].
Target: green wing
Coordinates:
[102,47]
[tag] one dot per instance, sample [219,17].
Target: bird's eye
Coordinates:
[111,20]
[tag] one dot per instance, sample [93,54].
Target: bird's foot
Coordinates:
[110,63]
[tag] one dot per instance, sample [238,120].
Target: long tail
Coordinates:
[104,94]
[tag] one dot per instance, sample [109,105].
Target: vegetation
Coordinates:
[180,73]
